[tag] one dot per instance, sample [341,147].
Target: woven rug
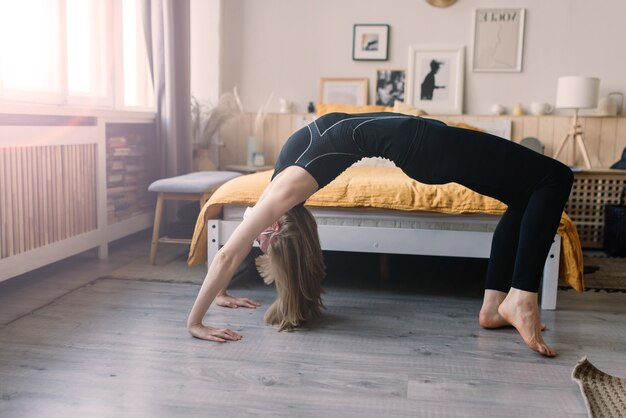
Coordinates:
[602,273]
[608,273]
[604,395]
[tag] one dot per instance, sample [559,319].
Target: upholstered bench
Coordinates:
[193,186]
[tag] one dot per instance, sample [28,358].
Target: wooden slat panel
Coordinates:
[620,142]
[18,207]
[545,133]
[47,194]
[4,199]
[608,135]
[605,138]
[591,137]
[47,187]
[530,127]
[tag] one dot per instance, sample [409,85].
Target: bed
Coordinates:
[378,209]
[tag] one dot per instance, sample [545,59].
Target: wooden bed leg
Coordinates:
[383,264]
[550,280]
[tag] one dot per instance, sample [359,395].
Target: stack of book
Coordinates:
[129,168]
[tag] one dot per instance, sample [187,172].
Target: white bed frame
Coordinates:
[414,241]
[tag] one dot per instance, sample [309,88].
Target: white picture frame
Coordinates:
[498,40]
[435,79]
[344,90]
[501,128]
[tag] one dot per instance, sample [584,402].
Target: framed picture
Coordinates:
[498,40]
[501,128]
[351,91]
[389,86]
[370,42]
[435,79]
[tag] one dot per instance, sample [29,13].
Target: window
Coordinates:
[29,57]
[74,52]
[137,84]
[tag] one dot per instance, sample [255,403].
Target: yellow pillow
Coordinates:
[401,107]
[324,108]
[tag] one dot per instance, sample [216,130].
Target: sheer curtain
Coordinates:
[167,32]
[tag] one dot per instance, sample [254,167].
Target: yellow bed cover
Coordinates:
[384,188]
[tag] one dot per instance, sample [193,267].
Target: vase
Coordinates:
[252,148]
[202,160]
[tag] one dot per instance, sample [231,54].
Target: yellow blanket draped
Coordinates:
[386,188]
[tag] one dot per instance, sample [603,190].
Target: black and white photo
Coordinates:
[389,86]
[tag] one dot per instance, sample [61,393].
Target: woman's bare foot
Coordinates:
[520,309]
[489,316]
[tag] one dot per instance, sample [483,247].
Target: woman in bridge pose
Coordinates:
[534,187]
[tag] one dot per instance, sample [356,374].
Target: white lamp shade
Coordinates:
[574,92]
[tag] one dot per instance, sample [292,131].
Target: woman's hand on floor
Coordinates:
[204,332]
[229,301]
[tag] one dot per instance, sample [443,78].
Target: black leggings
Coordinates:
[534,187]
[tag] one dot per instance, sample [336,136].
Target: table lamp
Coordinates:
[575,92]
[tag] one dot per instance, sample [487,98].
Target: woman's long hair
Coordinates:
[294,262]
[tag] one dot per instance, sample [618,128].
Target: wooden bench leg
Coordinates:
[155,228]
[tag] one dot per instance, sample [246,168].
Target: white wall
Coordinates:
[205,26]
[285,46]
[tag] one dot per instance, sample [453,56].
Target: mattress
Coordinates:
[382,218]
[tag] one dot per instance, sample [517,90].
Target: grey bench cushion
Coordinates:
[197,182]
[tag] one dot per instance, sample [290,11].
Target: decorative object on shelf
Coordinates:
[541,108]
[441,3]
[389,86]
[518,110]
[498,109]
[258,159]
[575,92]
[351,91]
[370,42]
[255,141]
[311,107]
[130,168]
[498,40]
[206,122]
[610,105]
[534,144]
[435,79]
[284,106]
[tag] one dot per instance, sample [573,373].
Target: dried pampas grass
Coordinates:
[208,119]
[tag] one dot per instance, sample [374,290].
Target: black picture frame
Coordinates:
[370,42]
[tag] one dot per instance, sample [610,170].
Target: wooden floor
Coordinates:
[73,344]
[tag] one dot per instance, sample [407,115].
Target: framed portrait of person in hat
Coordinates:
[435,79]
